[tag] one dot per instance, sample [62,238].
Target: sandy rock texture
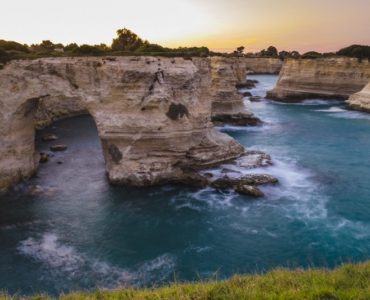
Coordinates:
[361,100]
[153,115]
[262,65]
[227,103]
[320,78]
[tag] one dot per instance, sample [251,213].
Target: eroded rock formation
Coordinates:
[227,102]
[361,100]
[262,65]
[152,114]
[320,78]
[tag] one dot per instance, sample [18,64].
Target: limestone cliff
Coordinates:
[262,65]
[322,78]
[152,114]
[227,102]
[361,100]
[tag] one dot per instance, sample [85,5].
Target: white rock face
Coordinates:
[361,100]
[325,78]
[152,114]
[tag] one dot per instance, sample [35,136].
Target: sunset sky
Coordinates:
[323,25]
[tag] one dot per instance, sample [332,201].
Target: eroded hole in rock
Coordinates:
[115,153]
[177,111]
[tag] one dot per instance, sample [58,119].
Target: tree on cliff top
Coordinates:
[357,51]
[127,41]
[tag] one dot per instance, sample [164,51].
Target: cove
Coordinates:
[83,233]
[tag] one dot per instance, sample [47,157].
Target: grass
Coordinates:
[350,281]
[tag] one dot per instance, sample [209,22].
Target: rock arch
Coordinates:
[131,105]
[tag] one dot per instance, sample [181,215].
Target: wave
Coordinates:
[310,102]
[63,261]
[333,109]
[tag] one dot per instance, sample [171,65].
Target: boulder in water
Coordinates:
[59,147]
[44,157]
[49,137]
[249,190]
[255,99]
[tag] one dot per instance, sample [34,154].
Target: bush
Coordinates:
[311,55]
[11,45]
[4,57]
[358,51]
[87,50]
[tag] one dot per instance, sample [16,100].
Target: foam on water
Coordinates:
[333,109]
[60,261]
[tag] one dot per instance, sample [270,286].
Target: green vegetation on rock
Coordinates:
[350,281]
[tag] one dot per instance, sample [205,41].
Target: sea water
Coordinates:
[77,232]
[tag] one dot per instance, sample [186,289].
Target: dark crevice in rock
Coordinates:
[177,111]
[115,153]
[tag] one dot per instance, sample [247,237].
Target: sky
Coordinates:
[222,25]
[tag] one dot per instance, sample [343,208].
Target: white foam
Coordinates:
[333,109]
[310,102]
[64,261]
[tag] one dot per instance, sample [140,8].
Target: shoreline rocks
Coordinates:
[361,100]
[328,78]
[237,119]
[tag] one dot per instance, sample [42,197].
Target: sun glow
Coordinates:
[218,24]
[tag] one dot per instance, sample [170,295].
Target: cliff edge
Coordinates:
[320,78]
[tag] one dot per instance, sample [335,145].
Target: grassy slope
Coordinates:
[351,281]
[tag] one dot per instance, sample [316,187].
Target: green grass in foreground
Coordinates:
[351,281]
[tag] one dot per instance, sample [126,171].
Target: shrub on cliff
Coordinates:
[70,47]
[11,45]
[358,51]
[311,55]
[4,57]
[87,50]
[269,52]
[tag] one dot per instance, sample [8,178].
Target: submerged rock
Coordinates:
[59,147]
[255,99]
[35,190]
[49,137]
[227,182]
[237,119]
[234,174]
[248,84]
[254,159]
[249,190]
[44,157]
[247,94]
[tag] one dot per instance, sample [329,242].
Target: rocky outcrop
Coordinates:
[152,114]
[227,103]
[53,108]
[262,65]
[361,100]
[320,78]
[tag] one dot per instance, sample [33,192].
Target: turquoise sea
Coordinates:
[79,232]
